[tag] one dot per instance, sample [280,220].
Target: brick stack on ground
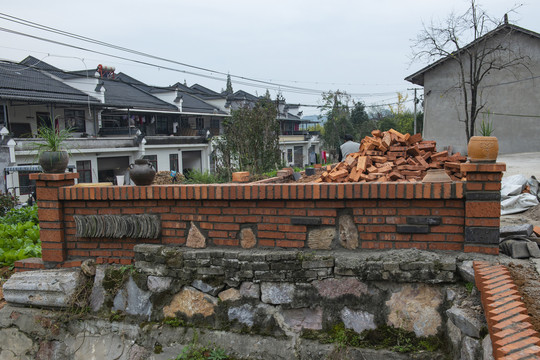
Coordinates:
[392,156]
[512,335]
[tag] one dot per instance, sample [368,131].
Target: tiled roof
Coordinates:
[23,82]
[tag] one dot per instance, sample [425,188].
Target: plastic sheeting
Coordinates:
[512,200]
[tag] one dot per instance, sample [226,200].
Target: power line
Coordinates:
[293,89]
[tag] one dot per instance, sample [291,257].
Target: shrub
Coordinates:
[7,202]
[19,235]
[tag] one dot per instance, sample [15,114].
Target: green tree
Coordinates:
[338,120]
[229,89]
[450,39]
[251,138]
[360,121]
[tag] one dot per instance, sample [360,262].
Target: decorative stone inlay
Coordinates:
[348,233]
[190,302]
[144,226]
[247,238]
[321,239]
[195,238]
[333,288]
[414,308]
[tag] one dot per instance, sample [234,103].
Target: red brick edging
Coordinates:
[511,333]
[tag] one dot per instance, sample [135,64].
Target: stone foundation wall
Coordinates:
[277,298]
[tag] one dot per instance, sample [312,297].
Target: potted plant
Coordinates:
[484,148]
[53,156]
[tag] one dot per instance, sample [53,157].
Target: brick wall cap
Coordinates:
[472,167]
[53,177]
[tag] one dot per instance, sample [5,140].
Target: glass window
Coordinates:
[43,120]
[214,123]
[173,162]
[199,123]
[74,120]
[162,125]
[152,159]
[84,168]
[289,156]
[26,186]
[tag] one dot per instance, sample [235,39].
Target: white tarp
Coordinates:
[512,200]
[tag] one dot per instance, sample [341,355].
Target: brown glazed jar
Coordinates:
[142,172]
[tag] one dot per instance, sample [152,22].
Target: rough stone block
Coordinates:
[277,293]
[466,271]
[299,319]
[414,308]
[158,284]
[358,320]
[49,288]
[466,321]
[321,239]
[522,229]
[133,300]
[212,289]
[250,290]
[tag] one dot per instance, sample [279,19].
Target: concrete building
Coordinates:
[511,95]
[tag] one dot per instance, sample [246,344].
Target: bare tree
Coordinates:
[479,45]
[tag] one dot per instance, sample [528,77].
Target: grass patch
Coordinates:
[384,337]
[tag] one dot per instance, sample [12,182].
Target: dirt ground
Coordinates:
[528,282]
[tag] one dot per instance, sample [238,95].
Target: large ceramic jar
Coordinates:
[142,172]
[483,149]
[54,162]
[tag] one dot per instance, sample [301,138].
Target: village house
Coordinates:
[511,95]
[116,119]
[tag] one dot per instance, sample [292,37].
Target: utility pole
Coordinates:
[415,102]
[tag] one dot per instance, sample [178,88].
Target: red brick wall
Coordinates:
[387,215]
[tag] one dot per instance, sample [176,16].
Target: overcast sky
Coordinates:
[359,46]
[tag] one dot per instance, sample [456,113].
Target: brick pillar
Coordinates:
[51,215]
[482,206]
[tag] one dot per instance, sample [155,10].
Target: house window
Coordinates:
[289,156]
[184,122]
[173,162]
[26,186]
[199,123]
[162,125]
[152,159]
[214,123]
[43,120]
[3,115]
[74,120]
[84,168]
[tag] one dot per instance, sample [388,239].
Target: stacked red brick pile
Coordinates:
[511,332]
[392,156]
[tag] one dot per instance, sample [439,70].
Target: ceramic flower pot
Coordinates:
[142,172]
[483,149]
[54,162]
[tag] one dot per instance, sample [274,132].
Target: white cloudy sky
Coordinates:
[361,46]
